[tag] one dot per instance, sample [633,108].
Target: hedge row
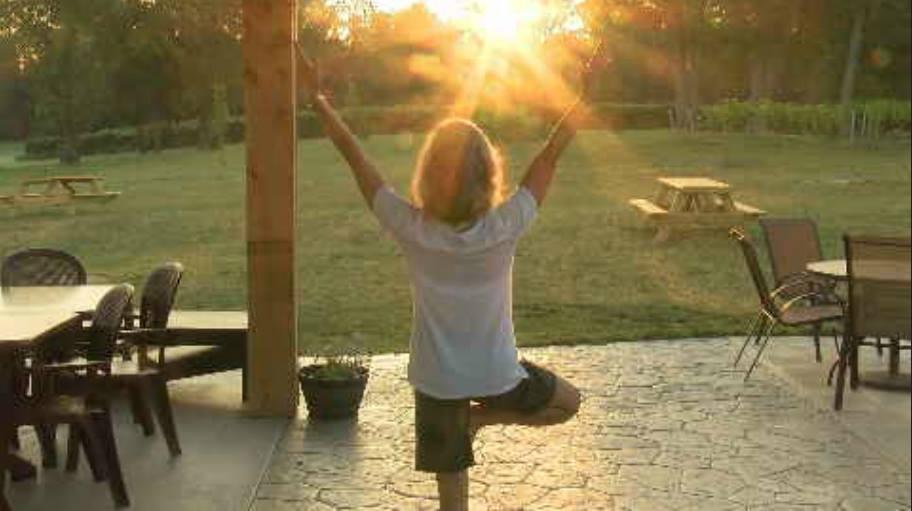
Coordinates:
[365,121]
[875,116]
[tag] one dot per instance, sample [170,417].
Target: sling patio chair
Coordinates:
[791,244]
[880,301]
[814,305]
[88,414]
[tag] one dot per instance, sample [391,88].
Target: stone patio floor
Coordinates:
[663,425]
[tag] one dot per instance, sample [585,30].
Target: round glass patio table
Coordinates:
[832,268]
[892,379]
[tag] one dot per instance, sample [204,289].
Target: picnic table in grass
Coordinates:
[693,202]
[60,190]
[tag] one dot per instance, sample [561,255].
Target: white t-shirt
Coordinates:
[462,342]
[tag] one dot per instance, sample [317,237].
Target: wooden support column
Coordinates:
[269,98]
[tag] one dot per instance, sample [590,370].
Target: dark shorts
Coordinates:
[442,442]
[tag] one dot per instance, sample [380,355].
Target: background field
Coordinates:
[587,272]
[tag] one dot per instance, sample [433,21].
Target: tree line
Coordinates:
[68,67]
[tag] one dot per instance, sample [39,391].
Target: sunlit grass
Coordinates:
[587,271]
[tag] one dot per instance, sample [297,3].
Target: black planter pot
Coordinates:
[332,398]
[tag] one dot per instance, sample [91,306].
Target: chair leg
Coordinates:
[158,387]
[91,443]
[840,373]
[105,430]
[74,440]
[7,432]
[18,468]
[833,367]
[754,330]
[818,356]
[853,365]
[47,441]
[139,405]
[894,357]
[766,337]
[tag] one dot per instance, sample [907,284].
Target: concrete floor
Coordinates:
[664,425]
[224,456]
[882,419]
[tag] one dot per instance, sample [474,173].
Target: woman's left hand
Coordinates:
[599,60]
[308,71]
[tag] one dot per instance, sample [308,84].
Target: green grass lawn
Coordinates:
[587,272]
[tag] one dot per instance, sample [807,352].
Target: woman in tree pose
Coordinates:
[459,235]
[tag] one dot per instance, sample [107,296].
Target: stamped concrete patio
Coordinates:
[664,425]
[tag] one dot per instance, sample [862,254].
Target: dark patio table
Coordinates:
[836,269]
[27,315]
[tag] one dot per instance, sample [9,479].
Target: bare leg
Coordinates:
[563,406]
[453,490]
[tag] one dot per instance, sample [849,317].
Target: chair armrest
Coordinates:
[87,364]
[814,279]
[789,284]
[836,300]
[143,334]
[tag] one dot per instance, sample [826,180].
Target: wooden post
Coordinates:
[269,98]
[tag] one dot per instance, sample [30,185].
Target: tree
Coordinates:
[67,83]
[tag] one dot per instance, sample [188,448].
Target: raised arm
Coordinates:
[540,172]
[365,172]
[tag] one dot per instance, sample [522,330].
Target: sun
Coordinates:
[504,21]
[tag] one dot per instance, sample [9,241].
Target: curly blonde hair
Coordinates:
[459,175]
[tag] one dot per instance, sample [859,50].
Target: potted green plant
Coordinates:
[333,384]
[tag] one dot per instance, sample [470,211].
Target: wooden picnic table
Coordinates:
[60,190]
[693,202]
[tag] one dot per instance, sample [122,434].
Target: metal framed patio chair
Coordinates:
[814,305]
[880,301]
[791,244]
[41,267]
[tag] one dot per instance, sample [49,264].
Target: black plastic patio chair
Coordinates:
[41,267]
[145,386]
[88,413]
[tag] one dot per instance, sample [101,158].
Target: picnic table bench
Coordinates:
[60,190]
[693,202]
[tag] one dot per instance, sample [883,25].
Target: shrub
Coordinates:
[873,117]
[620,116]
[502,125]
[508,126]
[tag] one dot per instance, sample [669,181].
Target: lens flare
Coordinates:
[504,21]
